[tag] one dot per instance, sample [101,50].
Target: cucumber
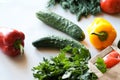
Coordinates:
[59,43]
[118,44]
[58,22]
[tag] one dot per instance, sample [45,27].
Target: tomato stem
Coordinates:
[101,35]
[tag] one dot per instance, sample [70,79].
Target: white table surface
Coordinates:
[20,14]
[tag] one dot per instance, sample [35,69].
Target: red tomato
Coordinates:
[110,6]
[112,59]
[113,54]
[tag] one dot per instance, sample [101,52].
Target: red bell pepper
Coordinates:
[11,41]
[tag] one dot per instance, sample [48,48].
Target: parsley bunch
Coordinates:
[63,67]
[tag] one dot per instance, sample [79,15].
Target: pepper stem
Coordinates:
[19,46]
[21,49]
[101,35]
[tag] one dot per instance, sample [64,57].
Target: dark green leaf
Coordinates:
[79,7]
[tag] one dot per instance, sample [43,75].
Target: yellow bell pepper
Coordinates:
[101,33]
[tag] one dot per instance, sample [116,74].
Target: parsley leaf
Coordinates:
[101,65]
[63,67]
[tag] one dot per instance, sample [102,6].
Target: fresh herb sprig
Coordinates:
[79,7]
[63,67]
[100,64]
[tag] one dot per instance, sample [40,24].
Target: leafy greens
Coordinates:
[63,67]
[78,7]
[100,64]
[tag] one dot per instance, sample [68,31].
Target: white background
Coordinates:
[20,14]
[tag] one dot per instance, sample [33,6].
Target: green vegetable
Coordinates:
[118,44]
[58,42]
[78,7]
[63,67]
[100,64]
[61,24]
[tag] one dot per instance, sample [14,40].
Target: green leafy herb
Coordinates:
[78,7]
[101,65]
[63,67]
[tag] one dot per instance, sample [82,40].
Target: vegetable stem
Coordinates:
[101,35]
[18,45]
[21,49]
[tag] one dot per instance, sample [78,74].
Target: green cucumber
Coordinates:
[118,44]
[59,43]
[58,22]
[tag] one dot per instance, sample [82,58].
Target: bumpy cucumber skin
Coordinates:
[58,22]
[57,42]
